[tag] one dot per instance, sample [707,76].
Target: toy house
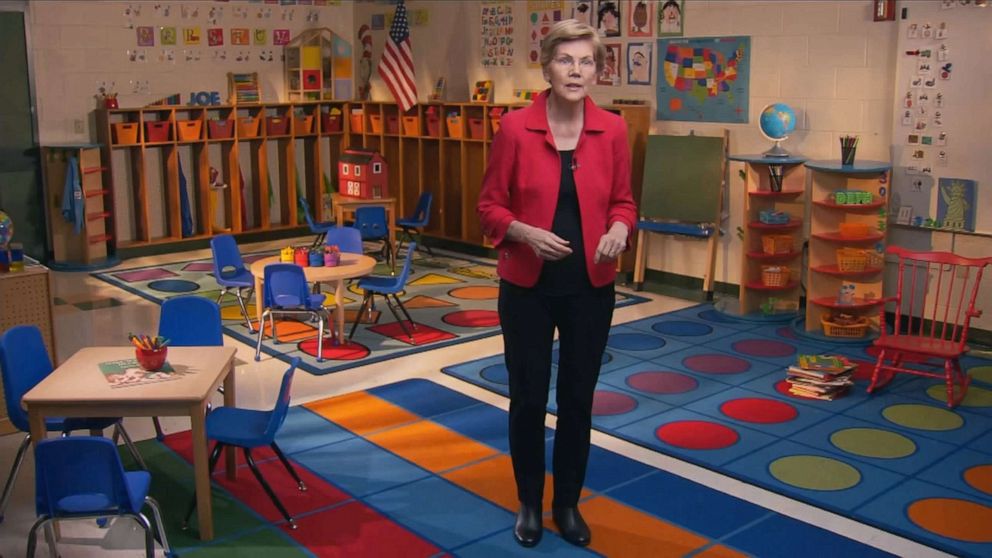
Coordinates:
[363,174]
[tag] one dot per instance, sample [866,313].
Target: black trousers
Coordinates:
[529,318]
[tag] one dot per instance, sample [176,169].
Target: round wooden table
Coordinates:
[351,267]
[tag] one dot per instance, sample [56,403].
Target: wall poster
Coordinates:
[703,79]
[541,15]
[497,34]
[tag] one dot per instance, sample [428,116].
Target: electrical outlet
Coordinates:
[78,126]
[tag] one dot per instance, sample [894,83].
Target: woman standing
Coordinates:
[556,202]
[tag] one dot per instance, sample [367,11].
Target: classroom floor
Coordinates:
[89,312]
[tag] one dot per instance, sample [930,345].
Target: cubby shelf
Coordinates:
[836,237]
[421,150]
[836,272]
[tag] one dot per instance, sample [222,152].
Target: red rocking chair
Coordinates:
[935,302]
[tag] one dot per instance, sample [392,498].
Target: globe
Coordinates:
[777,120]
[6,229]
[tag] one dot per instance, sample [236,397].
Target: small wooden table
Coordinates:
[78,388]
[346,203]
[351,266]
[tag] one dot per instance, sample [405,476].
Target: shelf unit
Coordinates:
[826,276]
[423,151]
[309,65]
[93,247]
[759,300]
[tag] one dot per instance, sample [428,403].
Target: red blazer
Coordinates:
[523,178]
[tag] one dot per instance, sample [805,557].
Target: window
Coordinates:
[358,170]
[376,168]
[344,169]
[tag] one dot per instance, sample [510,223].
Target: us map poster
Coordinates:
[703,79]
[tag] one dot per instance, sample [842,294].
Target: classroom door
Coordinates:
[20,177]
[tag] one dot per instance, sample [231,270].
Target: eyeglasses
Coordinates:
[567,62]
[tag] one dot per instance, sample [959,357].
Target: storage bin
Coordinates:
[494,115]
[248,127]
[454,126]
[357,123]
[433,124]
[125,133]
[157,130]
[330,122]
[855,330]
[276,126]
[853,230]
[854,259]
[775,275]
[776,243]
[476,128]
[303,125]
[220,129]
[375,121]
[189,130]
[773,217]
[393,124]
[411,125]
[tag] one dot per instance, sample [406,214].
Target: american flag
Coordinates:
[396,66]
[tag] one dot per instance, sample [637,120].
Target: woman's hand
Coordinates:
[611,244]
[547,245]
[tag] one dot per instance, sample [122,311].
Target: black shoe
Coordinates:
[571,525]
[528,529]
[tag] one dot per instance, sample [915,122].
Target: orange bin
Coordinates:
[494,115]
[125,133]
[357,123]
[375,121]
[853,230]
[303,125]
[776,243]
[411,125]
[454,126]
[189,130]
[248,127]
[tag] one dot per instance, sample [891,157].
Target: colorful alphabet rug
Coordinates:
[709,390]
[452,299]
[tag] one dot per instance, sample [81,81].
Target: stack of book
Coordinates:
[824,377]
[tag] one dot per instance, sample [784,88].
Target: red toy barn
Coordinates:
[363,174]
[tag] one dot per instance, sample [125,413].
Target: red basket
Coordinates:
[393,124]
[276,126]
[433,125]
[476,128]
[330,122]
[157,130]
[220,129]
[151,359]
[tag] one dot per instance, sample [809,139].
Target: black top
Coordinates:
[568,275]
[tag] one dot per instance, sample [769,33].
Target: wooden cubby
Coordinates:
[826,220]
[422,157]
[93,246]
[759,299]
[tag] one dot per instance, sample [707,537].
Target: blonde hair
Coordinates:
[571,30]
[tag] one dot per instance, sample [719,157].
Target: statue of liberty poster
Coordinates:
[956,204]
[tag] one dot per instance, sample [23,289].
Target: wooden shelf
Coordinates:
[771,194]
[835,236]
[836,272]
[857,304]
[766,257]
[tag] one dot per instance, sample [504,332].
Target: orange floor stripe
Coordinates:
[432,446]
[618,530]
[361,412]
[718,551]
[492,479]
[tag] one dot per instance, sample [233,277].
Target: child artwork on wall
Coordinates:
[582,11]
[639,64]
[956,204]
[670,20]
[146,36]
[640,18]
[611,66]
[608,18]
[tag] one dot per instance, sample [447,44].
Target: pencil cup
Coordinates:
[151,359]
[847,153]
[775,177]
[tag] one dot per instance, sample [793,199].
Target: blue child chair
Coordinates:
[83,477]
[249,429]
[347,239]
[24,363]
[231,273]
[412,227]
[372,223]
[319,229]
[387,285]
[285,292]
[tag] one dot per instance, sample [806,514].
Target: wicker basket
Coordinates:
[854,259]
[775,275]
[776,243]
[850,331]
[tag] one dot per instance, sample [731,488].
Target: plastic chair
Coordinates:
[319,229]
[83,477]
[387,285]
[412,227]
[372,223]
[347,239]
[935,302]
[24,362]
[285,292]
[230,273]
[189,321]
[249,429]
